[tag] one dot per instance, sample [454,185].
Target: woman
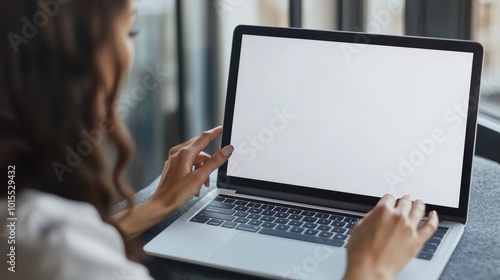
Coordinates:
[62,65]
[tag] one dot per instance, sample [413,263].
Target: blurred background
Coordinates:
[185,46]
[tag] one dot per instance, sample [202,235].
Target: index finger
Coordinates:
[428,229]
[202,141]
[387,199]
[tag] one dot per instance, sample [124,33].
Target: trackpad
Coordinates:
[281,258]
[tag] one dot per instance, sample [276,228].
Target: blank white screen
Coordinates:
[361,119]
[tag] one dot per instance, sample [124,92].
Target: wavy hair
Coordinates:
[50,83]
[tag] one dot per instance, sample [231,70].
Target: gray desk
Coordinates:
[477,255]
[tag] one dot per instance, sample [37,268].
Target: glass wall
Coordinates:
[487,31]
[148,103]
[178,84]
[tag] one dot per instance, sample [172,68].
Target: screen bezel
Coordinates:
[230,182]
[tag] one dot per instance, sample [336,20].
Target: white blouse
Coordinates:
[60,239]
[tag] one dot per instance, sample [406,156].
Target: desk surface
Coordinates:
[477,256]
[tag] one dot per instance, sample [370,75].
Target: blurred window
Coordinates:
[487,32]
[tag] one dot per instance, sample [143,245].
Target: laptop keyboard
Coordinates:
[299,223]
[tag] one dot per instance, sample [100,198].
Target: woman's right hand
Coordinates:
[387,238]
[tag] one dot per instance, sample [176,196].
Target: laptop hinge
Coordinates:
[303,199]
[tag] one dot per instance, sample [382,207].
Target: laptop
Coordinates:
[325,123]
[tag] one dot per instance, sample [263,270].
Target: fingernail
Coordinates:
[227,150]
[419,201]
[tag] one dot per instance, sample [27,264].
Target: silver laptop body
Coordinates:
[328,122]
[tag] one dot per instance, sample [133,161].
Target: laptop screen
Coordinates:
[353,118]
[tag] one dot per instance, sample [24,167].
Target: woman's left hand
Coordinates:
[185,171]
[188,168]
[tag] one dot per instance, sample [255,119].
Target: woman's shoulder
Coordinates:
[63,239]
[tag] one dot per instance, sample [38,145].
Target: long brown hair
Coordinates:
[50,127]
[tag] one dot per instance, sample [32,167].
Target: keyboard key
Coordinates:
[221,204]
[267,219]
[336,218]
[229,200]
[309,219]
[439,235]
[241,208]
[311,232]
[348,232]
[240,202]
[295,217]
[325,234]
[249,228]
[338,230]
[254,210]
[255,223]
[350,220]
[253,204]
[281,215]
[281,221]
[296,223]
[267,207]
[241,220]
[324,222]
[215,215]
[200,219]
[302,237]
[308,213]
[309,225]
[214,222]
[219,210]
[322,215]
[282,227]
[442,229]
[340,237]
[240,214]
[268,213]
[425,255]
[294,211]
[229,224]
[323,227]
[297,229]
[219,199]
[254,216]
[349,226]
[429,248]
[433,242]
[280,209]
[338,224]
[268,225]
[435,239]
